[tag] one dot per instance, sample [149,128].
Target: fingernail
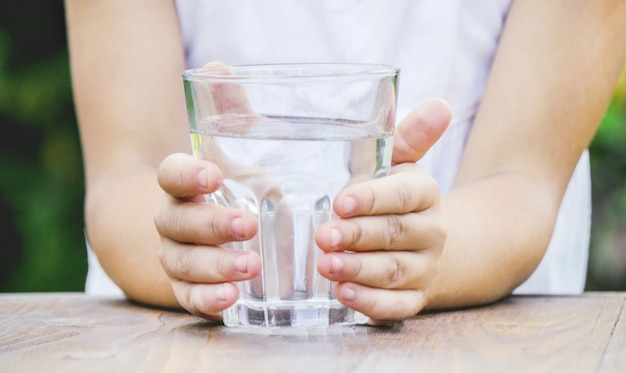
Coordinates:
[203,179]
[336,264]
[335,237]
[236,227]
[241,263]
[349,294]
[349,204]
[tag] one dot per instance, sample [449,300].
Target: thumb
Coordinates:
[420,129]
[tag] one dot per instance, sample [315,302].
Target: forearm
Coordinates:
[126,60]
[498,231]
[550,83]
[120,227]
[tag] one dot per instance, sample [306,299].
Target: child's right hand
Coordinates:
[191,230]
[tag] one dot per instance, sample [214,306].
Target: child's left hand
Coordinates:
[384,249]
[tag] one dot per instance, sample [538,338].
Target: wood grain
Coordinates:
[77,333]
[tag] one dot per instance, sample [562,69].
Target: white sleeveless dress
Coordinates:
[444,49]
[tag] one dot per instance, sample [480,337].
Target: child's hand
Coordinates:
[200,271]
[191,230]
[385,247]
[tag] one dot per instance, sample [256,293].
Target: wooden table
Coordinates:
[66,332]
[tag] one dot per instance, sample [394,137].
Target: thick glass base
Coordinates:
[310,313]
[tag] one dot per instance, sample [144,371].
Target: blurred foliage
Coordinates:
[41,180]
[607,259]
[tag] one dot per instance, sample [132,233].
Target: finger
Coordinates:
[228,97]
[419,130]
[222,100]
[415,231]
[201,264]
[408,188]
[183,176]
[205,300]
[204,223]
[380,305]
[396,270]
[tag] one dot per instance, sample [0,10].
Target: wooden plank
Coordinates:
[72,332]
[614,359]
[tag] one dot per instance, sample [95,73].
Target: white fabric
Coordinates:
[98,282]
[443,47]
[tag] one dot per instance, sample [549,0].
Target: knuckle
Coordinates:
[161,216]
[223,265]
[396,230]
[173,225]
[216,228]
[183,264]
[357,234]
[396,272]
[358,268]
[373,204]
[405,194]
[393,306]
[164,259]
[183,294]
[196,302]
[201,304]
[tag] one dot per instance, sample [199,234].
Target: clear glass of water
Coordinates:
[287,139]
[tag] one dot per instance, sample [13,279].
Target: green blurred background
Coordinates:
[41,178]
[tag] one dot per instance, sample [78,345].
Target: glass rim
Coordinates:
[280,71]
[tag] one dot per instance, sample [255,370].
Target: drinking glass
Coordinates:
[287,138]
